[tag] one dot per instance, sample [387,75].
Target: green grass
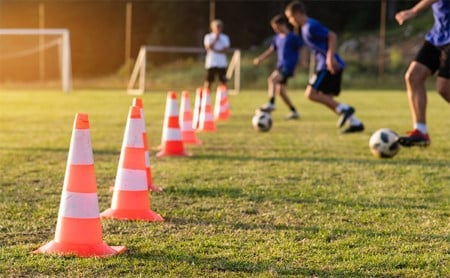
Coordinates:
[301,200]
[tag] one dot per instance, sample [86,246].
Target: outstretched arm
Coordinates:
[263,56]
[404,15]
[331,60]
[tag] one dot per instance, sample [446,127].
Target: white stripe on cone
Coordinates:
[131,180]
[134,131]
[171,134]
[80,148]
[79,205]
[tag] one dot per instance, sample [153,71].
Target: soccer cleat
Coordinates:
[268,107]
[345,115]
[294,115]
[414,138]
[354,128]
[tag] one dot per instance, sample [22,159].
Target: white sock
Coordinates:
[354,121]
[421,127]
[340,107]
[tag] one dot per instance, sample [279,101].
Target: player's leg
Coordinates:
[222,72]
[425,64]
[322,88]
[443,87]
[443,80]
[209,78]
[282,91]
[272,82]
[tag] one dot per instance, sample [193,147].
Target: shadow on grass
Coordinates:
[233,266]
[337,160]
[59,150]
[235,193]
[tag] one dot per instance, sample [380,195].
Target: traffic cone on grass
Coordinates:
[197,108]
[187,132]
[171,143]
[78,229]
[139,103]
[206,119]
[130,199]
[222,105]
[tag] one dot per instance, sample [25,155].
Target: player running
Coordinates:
[433,56]
[287,46]
[326,83]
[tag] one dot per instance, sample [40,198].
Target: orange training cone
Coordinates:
[187,132]
[130,199]
[222,105]
[138,102]
[172,142]
[197,108]
[206,113]
[78,230]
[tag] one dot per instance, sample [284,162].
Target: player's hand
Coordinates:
[256,61]
[404,16]
[332,65]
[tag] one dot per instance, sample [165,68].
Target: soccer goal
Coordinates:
[137,82]
[16,45]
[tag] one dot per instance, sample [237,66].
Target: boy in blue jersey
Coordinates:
[433,56]
[326,83]
[287,46]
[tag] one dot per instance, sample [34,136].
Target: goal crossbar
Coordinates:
[138,74]
[65,60]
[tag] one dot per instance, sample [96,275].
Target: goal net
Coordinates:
[30,55]
[139,79]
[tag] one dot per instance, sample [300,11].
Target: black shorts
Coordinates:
[327,83]
[435,58]
[285,75]
[220,72]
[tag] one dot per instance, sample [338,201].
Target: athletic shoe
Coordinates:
[414,138]
[294,115]
[268,107]
[345,115]
[354,128]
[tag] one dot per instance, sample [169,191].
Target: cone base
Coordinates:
[80,250]
[193,142]
[128,214]
[164,153]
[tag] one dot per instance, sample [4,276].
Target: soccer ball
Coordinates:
[383,143]
[262,121]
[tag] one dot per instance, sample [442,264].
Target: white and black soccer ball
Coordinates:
[383,143]
[262,121]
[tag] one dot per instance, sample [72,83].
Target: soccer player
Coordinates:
[433,56]
[216,44]
[325,85]
[287,46]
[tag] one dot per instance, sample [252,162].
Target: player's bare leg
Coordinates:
[314,95]
[415,78]
[272,82]
[286,99]
[443,87]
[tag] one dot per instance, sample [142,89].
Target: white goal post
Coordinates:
[137,82]
[65,64]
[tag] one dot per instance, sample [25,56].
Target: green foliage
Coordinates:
[300,200]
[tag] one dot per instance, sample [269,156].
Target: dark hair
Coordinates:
[279,20]
[296,6]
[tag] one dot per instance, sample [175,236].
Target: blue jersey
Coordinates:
[439,35]
[287,48]
[315,35]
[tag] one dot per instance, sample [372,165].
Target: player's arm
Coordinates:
[209,43]
[263,56]
[331,60]
[404,15]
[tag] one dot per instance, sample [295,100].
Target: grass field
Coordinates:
[301,200]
